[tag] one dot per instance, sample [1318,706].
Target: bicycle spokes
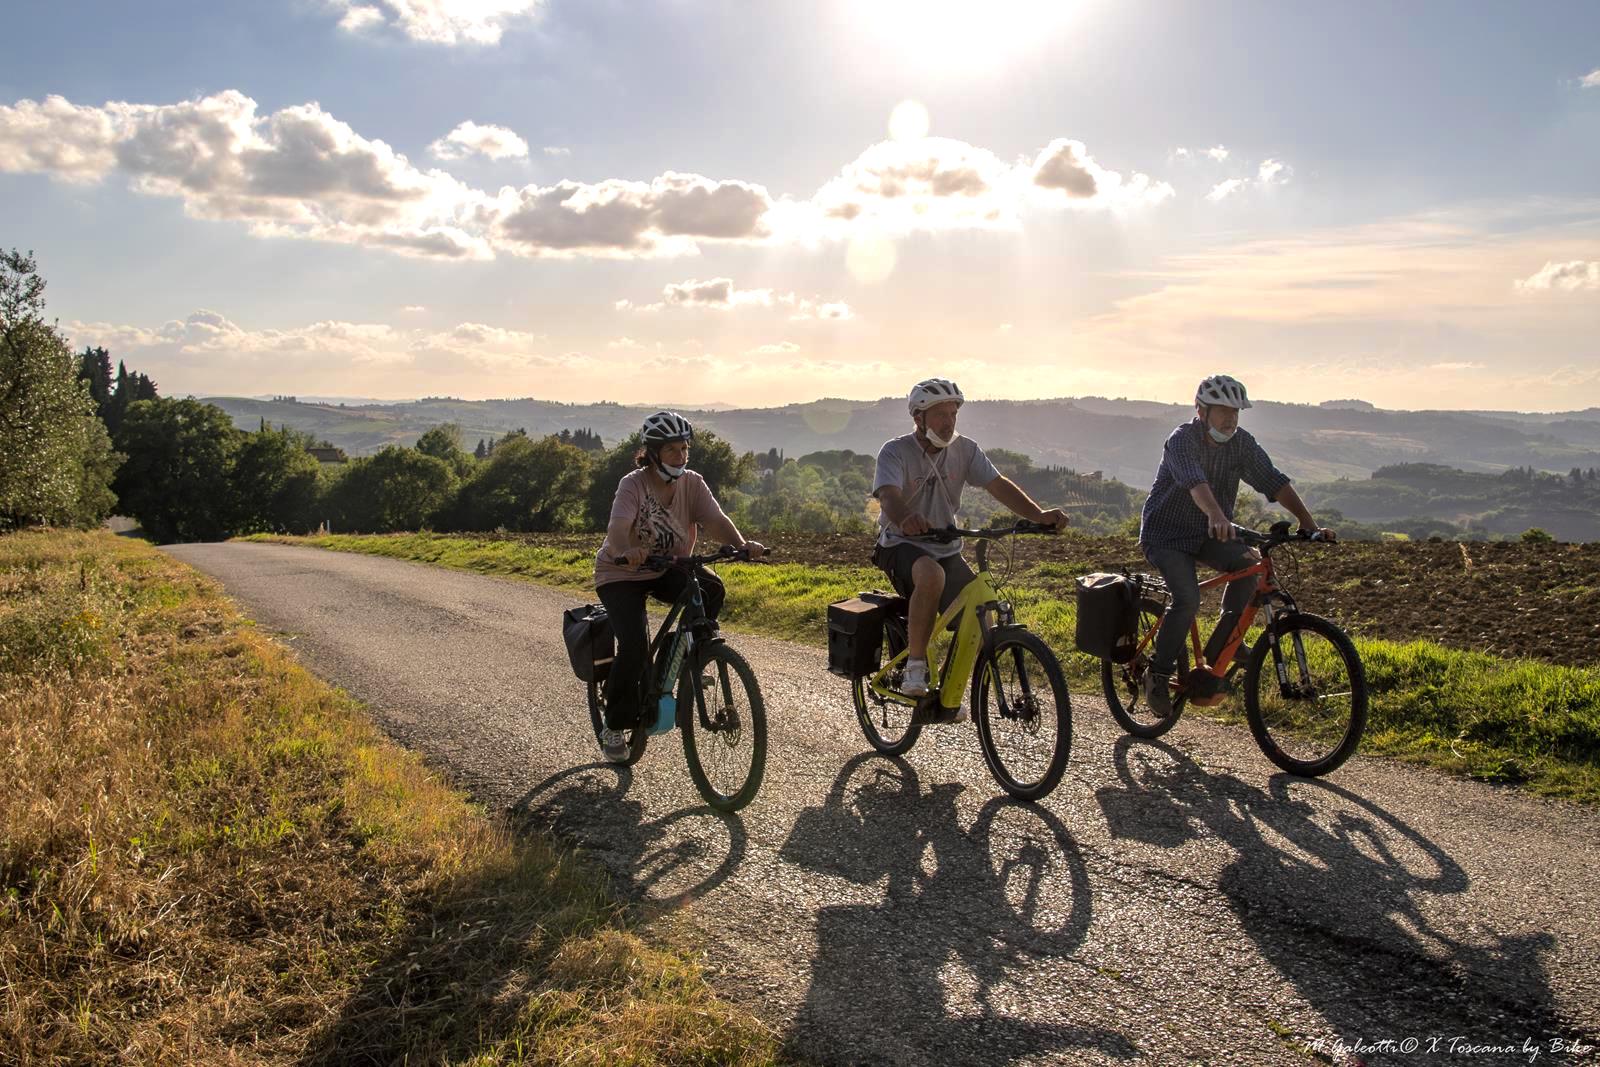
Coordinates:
[1307,703]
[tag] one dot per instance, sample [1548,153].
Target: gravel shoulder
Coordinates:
[1171,902]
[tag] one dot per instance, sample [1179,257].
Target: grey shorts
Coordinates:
[897,560]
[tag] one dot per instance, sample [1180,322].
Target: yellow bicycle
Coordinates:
[1018,692]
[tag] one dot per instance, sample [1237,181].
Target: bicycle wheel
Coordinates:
[888,725]
[724,724]
[597,720]
[1019,698]
[1123,683]
[1310,722]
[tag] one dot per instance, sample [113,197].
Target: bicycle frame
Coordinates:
[972,606]
[685,614]
[1266,597]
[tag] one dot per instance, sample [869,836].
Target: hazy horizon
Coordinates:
[581,199]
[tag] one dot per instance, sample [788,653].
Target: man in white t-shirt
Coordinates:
[918,485]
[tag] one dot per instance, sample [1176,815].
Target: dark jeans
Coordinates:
[625,602]
[1177,567]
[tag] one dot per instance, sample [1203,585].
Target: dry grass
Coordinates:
[207,855]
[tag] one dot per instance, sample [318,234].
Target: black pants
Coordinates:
[625,602]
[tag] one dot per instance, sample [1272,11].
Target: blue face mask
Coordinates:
[1221,437]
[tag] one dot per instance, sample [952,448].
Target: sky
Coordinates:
[764,203]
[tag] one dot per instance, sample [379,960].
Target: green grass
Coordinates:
[209,855]
[1518,722]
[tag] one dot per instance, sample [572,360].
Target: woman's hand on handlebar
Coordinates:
[634,557]
[755,549]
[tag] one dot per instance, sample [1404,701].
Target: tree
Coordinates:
[398,489]
[481,453]
[1533,535]
[276,482]
[525,485]
[444,442]
[94,367]
[711,456]
[176,480]
[55,458]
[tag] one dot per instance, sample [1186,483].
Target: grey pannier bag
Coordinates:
[1108,614]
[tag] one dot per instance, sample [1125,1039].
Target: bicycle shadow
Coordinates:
[960,914]
[661,863]
[1339,894]
[461,967]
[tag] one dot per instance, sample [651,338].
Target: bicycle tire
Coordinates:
[1123,683]
[882,735]
[725,724]
[1309,748]
[1018,644]
[637,738]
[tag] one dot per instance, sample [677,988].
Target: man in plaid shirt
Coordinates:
[1189,516]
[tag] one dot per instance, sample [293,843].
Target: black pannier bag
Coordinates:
[590,643]
[855,637]
[1108,615]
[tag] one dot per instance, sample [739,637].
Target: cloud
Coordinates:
[1273,171]
[1591,80]
[1569,276]
[1065,166]
[450,22]
[781,348]
[495,142]
[209,339]
[414,308]
[1450,366]
[1217,153]
[720,294]
[1223,190]
[556,150]
[298,172]
[665,216]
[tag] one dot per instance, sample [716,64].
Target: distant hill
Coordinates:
[1122,438]
[1564,505]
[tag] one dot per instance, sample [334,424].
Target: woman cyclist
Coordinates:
[656,512]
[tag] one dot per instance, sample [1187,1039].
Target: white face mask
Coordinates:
[671,474]
[1221,437]
[937,441]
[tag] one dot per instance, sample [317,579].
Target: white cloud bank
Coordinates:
[1591,80]
[300,172]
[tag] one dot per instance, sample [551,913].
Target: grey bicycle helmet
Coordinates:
[925,394]
[1222,389]
[666,426]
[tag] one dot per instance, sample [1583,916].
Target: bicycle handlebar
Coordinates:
[1278,535]
[950,533]
[725,554]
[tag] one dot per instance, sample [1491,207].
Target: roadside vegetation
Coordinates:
[1510,720]
[208,855]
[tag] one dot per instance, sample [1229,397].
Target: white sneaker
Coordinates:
[915,682]
[962,715]
[614,745]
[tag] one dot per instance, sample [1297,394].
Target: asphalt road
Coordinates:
[1171,902]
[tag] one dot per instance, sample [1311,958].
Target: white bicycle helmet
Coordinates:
[666,426]
[1222,389]
[925,394]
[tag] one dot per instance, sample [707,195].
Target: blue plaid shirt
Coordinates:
[1171,518]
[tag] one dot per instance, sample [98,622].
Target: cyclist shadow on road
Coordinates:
[661,862]
[945,923]
[1339,895]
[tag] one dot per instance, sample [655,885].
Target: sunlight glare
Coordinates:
[871,258]
[908,121]
[957,35]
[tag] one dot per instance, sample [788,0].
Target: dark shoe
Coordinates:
[1158,693]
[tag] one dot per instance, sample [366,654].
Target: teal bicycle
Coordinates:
[704,688]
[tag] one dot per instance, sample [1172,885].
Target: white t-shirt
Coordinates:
[929,484]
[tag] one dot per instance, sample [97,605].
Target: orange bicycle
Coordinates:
[1307,710]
